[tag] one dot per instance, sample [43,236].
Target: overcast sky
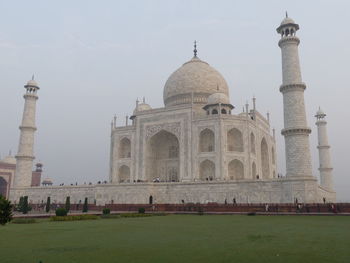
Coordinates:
[92,59]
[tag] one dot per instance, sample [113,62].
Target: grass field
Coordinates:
[180,238]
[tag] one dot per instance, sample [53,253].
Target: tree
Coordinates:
[5,210]
[85,207]
[48,204]
[25,207]
[67,204]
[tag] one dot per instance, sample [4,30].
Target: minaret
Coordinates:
[323,152]
[25,157]
[295,132]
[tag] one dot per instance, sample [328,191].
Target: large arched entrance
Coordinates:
[162,158]
[3,187]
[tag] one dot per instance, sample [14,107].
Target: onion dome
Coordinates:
[47,181]
[217,98]
[195,77]
[320,114]
[32,83]
[287,22]
[9,160]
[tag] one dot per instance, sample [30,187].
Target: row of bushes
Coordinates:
[74,218]
[23,221]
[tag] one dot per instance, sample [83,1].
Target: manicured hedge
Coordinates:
[23,221]
[74,218]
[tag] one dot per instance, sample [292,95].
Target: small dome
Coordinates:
[32,83]
[9,160]
[320,113]
[142,107]
[47,181]
[194,77]
[217,98]
[287,21]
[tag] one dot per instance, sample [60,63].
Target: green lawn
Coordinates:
[180,238]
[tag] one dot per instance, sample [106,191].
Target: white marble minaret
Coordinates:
[325,169]
[296,132]
[25,155]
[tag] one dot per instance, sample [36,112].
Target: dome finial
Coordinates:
[195,49]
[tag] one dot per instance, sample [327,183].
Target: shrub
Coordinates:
[142,210]
[61,212]
[48,204]
[200,211]
[109,216]
[24,221]
[135,215]
[73,218]
[85,206]
[23,205]
[251,214]
[106,211]
[5,210]
[67,206]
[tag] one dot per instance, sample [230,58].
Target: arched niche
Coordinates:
[265,167]
[207,141]
[162,158]
[235,140]
[124,174]
[273,155]
[254,173]
[207,170]
[236,170]
[124,148]
[252,143]
[3,187]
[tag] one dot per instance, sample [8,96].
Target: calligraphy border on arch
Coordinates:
[174,128]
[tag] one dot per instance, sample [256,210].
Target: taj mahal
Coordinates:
[197,148]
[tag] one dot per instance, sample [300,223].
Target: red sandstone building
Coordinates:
[7,172]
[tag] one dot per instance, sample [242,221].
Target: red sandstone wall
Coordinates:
[36,178]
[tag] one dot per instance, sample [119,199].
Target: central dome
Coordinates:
[197,77]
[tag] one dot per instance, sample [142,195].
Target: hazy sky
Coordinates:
[92,59]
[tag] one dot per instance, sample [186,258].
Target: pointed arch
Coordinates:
[3,187]
[235,140]
[273,155]
[265,167]
[207,170]
[124,174]
[252,143]
[236,170]
[254,173]
[124,148]
[162,157]
[207,141]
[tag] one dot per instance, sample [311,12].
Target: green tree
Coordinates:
[5,210]
[20,204]
[48,204]
[85,206]
[25,207]
[67,204]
